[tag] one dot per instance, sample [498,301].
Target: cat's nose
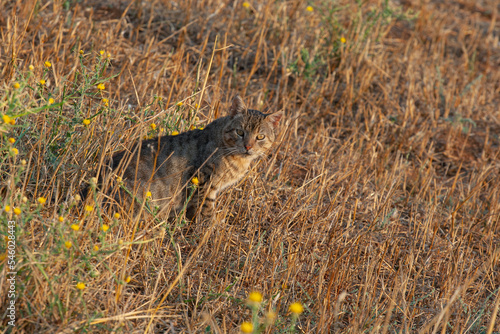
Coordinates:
[248,147]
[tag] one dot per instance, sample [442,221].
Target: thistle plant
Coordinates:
[255,302]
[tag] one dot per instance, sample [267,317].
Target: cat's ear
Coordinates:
[237,106]
[275,118]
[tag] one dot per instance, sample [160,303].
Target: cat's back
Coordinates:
[171,153]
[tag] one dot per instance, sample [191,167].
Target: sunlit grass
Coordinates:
[377,210]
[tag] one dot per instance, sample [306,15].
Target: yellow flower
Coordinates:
[3,256]
[77,198]
[192,127]
[128,279]
[23,162]
[162,129]
[247,327]
[42,82]
[105,227]
[101,52]
[51,101]
[42,200]
[17,211]
[31,67]
[6,118]
[75,227]
[105,100]
[14,151]
[96,248]
[117,215]
[25,199]
[12,122]
[81,52]
[201,128]
[108,55]
[16,85]
[343,40]
[80,286]
[148,194]
[120,242]
[175,133]
[270,317]
[255,297]
[61,219]
[89,208]
[7,208]
[47,64]
[118,179]
[86,121]
[296,308]
[12,140]
[179,104]
[68,244]
[246,5]
[195,181]
[153,126]
[309,8]
[101,86]
[196,105]
[93,181]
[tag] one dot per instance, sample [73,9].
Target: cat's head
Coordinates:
[250,132]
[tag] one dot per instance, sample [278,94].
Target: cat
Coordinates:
[197,163]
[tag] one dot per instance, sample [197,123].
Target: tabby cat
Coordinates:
[217,156]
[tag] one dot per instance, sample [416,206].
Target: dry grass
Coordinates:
[379,210]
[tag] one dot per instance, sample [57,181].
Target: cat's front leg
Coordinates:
[203,201]
[202,205]
[201,210]
[207,211]
[206,193]
[205,173]
[207,197]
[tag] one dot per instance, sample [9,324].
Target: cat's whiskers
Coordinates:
[230,151]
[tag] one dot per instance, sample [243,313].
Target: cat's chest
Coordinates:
[231,170]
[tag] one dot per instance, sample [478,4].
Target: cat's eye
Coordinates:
[260,137]
[240,132]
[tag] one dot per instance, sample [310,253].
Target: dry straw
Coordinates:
[378,210]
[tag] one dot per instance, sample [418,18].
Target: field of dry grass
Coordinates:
[378,210]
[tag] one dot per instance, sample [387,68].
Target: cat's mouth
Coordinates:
[248,152]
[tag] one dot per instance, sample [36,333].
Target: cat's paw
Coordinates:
[207,210]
